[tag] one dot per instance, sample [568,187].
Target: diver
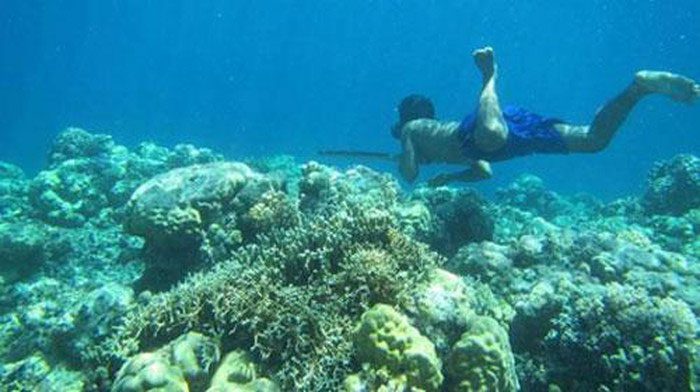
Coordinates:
[493,133]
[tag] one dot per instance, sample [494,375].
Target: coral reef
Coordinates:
[291,297]
[13,192]
[88,173]
[154,268]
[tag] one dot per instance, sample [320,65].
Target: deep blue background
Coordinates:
[281,76]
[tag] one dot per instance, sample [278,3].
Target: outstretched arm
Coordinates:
[407,160]
[479,170]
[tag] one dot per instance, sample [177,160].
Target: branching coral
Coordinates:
[292,297]
[621,338]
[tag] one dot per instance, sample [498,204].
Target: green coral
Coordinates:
[386,341]
[482,359]
[274,209]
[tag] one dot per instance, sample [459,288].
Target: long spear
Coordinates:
[379,156]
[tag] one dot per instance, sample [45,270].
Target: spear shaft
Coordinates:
[380,156]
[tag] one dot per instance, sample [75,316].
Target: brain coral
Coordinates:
[183,365]
[149,372]
[173,212]
[172,209]
[387,342]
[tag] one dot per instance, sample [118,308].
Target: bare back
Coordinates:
[435,141]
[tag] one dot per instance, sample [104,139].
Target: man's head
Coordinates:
[411,108]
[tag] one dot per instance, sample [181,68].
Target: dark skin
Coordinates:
[425,141]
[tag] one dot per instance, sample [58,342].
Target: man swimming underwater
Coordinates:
[493,133]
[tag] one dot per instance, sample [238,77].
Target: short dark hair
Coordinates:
[411,108]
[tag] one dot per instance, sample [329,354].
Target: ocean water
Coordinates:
[294,77]
[167,221]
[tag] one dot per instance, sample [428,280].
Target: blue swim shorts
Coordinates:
[528,133]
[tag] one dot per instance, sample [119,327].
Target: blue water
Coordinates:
[256,78]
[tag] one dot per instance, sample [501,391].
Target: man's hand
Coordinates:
[440,180]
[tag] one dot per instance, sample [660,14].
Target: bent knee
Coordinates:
[589,145]
[580,139]
[490,137]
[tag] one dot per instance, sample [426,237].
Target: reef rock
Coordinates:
[172,210]
[458,217]
[22,250]
[673,187]
[13,192]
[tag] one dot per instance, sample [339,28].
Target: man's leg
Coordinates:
[491,129]
[610,117]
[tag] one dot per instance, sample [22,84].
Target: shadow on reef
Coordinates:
[171,269]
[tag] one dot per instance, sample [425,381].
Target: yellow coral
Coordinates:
[482,359]
[385,339]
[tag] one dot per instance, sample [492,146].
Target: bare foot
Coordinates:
[484,60]
[677,87]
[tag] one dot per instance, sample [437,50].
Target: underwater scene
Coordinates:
[375,195]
